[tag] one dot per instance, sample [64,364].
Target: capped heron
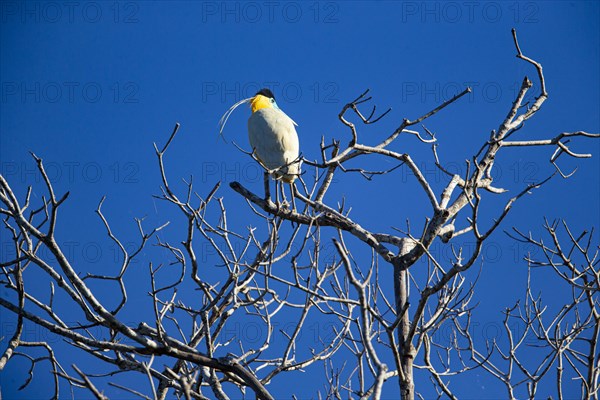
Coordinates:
[273,138]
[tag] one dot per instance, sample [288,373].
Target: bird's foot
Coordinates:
[282,206]
[271,204]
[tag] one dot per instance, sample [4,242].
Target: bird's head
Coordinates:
[264,98]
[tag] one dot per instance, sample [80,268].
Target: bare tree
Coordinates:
[274,272]
[566,339]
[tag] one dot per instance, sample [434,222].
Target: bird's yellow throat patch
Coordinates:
[260,101]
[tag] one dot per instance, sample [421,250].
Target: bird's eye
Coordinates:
[272,100]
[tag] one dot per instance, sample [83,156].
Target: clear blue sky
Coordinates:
[89,86]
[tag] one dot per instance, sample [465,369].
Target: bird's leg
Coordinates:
[267,187]
[277,189]
[282,190]
[293,192]
[284,201]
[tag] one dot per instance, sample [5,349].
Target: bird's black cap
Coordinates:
[266,92]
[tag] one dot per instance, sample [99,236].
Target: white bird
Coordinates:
[272,135]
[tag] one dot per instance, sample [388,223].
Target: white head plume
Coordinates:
[228,113]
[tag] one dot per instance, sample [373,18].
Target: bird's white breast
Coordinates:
[273,137]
